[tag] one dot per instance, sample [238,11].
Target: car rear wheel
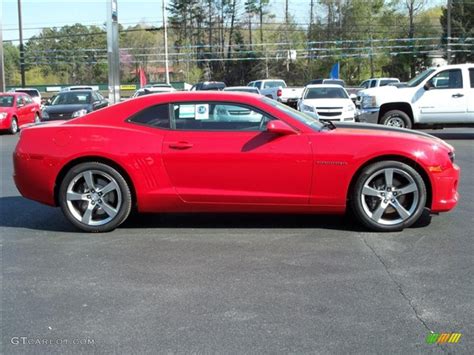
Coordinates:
[396,118]
[95,197]
[388,196]
[14,126]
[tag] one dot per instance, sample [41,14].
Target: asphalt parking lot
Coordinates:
[235,283]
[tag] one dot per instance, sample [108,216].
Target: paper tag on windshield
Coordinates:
[202,112]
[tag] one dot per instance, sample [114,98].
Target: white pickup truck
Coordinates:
[438,97]
[277,90]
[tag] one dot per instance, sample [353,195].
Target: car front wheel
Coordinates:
[388,196]
[396,118]
[95,197]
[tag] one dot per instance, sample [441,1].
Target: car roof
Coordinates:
[324,86]
[85,91]
[229,88]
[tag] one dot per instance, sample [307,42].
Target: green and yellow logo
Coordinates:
[443,338]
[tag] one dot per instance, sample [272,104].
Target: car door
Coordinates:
[221,153]
[470,96]
[30,109]
[444,99]
[22,110]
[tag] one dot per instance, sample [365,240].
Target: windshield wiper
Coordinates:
[327,123]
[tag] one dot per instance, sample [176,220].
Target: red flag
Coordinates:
[141,72]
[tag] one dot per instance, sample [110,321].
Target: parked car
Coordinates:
[327,81]
[376,82]
[177,152]
[34,94]
[438,97]
[153,90]
[249,89]
[79,87]
[70,104]
[17,109]
[278,90]
[208,85]
[327,101]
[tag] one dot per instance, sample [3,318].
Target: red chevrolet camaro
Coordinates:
[230,152]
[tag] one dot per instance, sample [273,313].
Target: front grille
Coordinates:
[328,108]
[452,156]
[329,114]
[60,116]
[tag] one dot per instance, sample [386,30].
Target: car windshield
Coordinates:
[325,93]
[297,115]
[6,101]
[419,78]
[32,93]
[72,98]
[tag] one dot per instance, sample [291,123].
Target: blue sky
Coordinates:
[49,13]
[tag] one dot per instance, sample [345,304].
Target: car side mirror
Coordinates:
[280,128]
[428,85]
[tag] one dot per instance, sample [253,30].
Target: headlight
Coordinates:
[307,108]
[44,115]
[368,101]
[3,115]
[79,113]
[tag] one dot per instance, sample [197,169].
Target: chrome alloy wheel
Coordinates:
[395,121]
[390,196]
[94,197]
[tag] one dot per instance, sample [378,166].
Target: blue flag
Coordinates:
[334,74]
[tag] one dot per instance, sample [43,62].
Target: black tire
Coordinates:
[371,194]
[120,198]
[14,126]
[396,118]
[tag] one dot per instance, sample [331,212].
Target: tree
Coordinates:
[462,28]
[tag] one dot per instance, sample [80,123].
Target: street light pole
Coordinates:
[22,48]
[448,39]
[165,35]
[2,68]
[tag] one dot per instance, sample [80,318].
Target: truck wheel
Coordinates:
[396,118]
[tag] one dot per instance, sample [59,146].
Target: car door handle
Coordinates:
[180,145]
[458,95]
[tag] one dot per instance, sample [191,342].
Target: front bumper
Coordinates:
[445,189]
[5,123]
[368,115]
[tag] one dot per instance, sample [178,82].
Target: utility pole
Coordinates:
[22,48]
[165,34]
[448,45]
[113,51]
[2,68]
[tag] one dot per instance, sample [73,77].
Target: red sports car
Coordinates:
[17,109]
[230,152]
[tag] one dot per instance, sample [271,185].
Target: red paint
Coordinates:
[23,115]
[297,171]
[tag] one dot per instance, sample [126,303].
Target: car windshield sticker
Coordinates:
[202,112]
[186,111]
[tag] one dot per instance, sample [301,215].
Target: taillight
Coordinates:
[279,92]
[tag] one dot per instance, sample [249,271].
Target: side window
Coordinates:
[471,76]
[365,84]
[19,101]
[448,79]
[217,117]
[27,100]
[373,83]
[154,116]
[258,84]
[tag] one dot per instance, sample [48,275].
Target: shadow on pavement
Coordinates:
[18,212]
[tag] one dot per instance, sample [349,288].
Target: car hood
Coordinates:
[66,108]
[7,109]
[381,130]
[327,103]
[385,90]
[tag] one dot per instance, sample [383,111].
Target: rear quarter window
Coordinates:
[155,116]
